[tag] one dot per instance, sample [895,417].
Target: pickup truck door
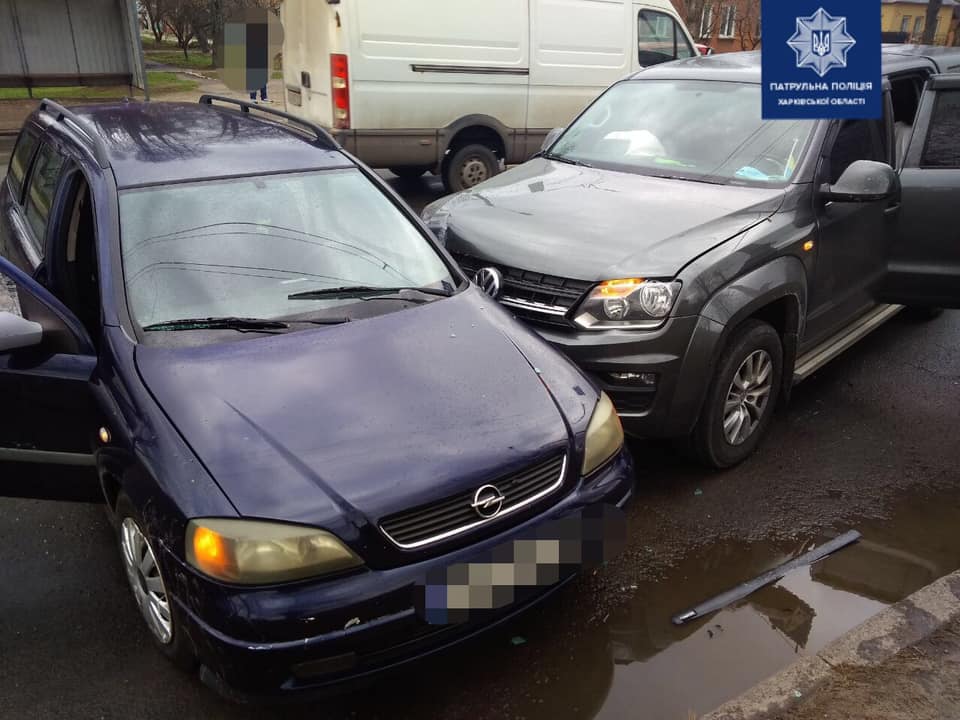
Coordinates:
[923,262]
[47,413]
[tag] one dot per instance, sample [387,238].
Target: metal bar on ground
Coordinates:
[721,601]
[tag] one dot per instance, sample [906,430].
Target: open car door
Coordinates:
[923,267]
[47,414]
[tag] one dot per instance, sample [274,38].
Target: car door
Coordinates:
[923,261]
[850,242]
[47,415]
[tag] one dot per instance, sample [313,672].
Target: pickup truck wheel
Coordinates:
[923,314]
[469,166]
[741,397]
[149,588]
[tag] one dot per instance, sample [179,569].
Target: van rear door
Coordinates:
[310,34]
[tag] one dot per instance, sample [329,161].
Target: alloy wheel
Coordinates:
[747,397]
[145,580]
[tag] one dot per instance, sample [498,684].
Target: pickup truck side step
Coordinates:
[811,361]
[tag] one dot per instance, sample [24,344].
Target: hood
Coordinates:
[593,224]
[359,420]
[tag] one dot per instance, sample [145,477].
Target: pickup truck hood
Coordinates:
[359,420]
[593,224]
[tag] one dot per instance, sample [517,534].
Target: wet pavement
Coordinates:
[869,442]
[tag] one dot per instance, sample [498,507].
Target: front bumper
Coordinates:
[370,619]
[680,354]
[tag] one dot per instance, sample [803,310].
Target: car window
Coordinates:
[942,149]
[241,247]
[691,129]
[856,140]
[40,191]
[659,39]
[20,160]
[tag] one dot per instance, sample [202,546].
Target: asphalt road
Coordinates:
[869,442]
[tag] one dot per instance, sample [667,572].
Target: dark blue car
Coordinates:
[326,453]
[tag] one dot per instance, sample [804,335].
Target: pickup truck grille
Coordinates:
[456,515]
[530,295]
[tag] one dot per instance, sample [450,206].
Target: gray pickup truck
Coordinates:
[698,261]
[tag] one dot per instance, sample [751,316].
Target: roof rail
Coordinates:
[61,114]
[319,132]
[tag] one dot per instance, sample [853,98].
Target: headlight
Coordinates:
[253,552]
[632,303]
[436,219]
[604,435]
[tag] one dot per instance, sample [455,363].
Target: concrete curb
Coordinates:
[882,636]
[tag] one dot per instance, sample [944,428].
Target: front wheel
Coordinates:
[741,397]
[469,166]
[149,587]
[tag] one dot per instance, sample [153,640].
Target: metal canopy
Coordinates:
[70,42]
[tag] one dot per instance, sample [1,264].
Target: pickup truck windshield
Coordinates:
[687,129]
[242,247]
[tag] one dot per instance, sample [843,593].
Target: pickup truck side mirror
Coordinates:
[17,333]
[863,181]
[551,138]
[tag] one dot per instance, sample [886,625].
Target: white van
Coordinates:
[461,86]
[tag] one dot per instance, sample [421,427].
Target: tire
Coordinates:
[409,172]
[759,344]
[469,166]
[169,638]
[923,314]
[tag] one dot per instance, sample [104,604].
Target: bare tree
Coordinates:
[183,17]
[156,11]
[748,24]
[930,25]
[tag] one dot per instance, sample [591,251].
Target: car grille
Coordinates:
[532,295]
[455,515]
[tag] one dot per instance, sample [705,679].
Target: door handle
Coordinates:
[892,209]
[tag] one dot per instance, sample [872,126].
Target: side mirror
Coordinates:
[863,181]
[551,138]
[17,333]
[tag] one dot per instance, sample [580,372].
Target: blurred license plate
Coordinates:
[522,567]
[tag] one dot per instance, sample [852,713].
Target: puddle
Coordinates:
[671,672]
[637,664]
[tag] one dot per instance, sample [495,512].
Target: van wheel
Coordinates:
[149,588]
[741,397]
[409,172]
[469,166]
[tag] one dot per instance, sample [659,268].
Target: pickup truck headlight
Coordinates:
[436,219]
[604,435]
[253,552]
[631,303]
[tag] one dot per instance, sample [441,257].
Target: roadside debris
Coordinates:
[771,576]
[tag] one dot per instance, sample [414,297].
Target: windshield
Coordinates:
[244,247]
[696,130]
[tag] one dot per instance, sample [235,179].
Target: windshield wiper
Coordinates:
[240,324]
[364,292]
[568,161]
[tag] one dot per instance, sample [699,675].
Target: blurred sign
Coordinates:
[821,59]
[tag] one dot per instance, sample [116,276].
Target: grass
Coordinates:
[193,61]
[160,83]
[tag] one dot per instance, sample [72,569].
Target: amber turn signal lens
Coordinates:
[619,288]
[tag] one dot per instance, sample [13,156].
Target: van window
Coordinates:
[660,39]
[942,150]
[20,160]
[43,184]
